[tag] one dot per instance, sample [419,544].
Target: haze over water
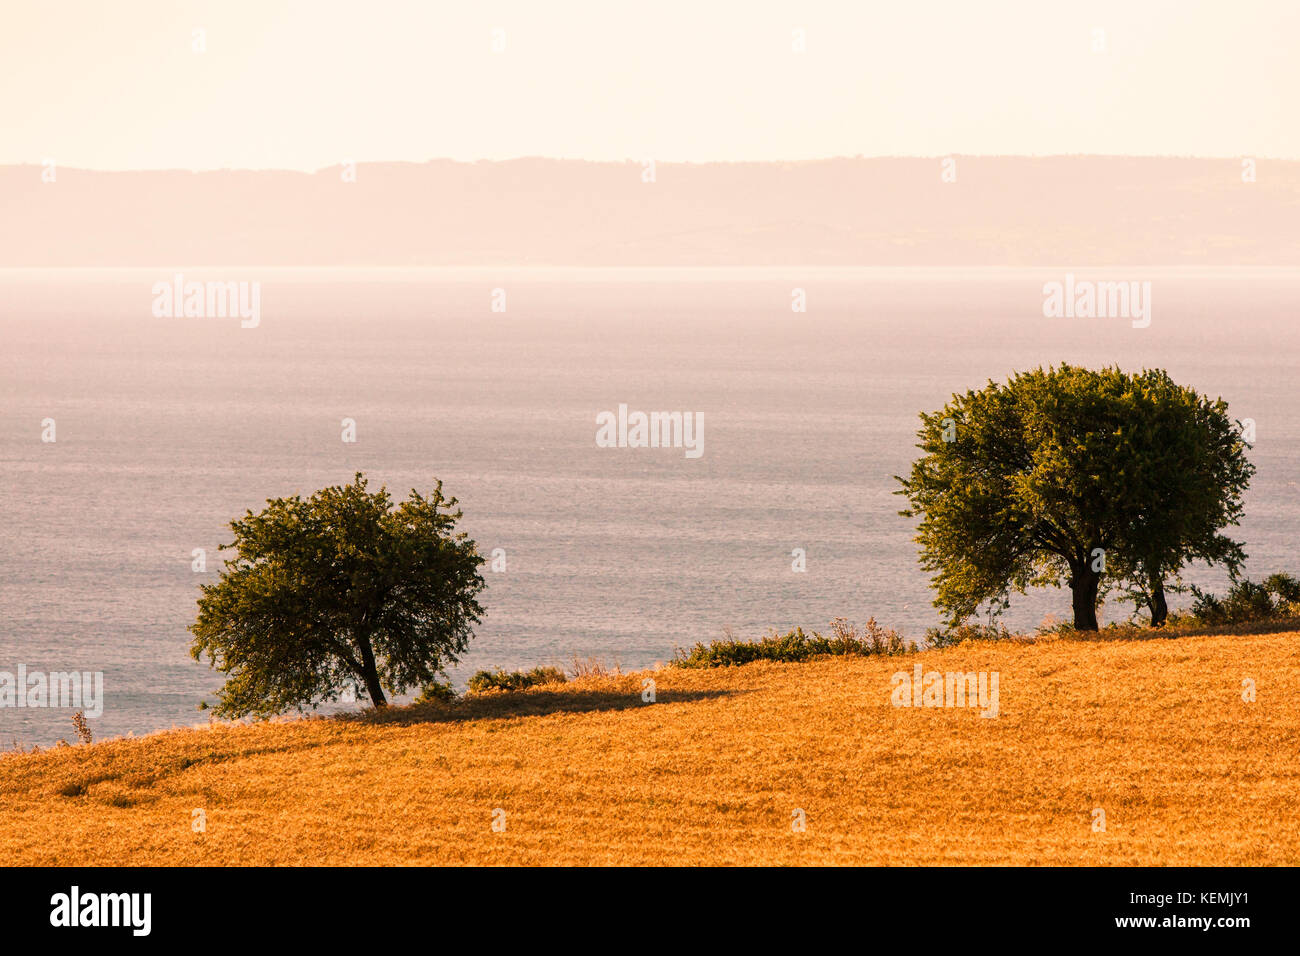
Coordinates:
[168,428]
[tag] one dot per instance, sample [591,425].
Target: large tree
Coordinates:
[1069,475]
[338,589]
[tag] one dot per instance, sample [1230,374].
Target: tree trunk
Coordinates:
[370,673]
[1084,584]
[1159,607]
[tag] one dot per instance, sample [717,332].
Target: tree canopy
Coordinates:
[339,589]
[1092,478]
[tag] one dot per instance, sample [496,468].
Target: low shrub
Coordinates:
[952,636]
[515,680]
[1277,598]
[436,692]
[797,645]
[590,666]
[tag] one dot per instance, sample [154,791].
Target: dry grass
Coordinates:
[1155,732]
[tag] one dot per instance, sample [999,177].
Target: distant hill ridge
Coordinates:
[1074,211]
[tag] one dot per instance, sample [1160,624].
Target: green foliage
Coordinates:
[339,588]
[1277,598]
[515,680]
[1284,586]
[436,692]
[796,646]
[952,636]
[1043,474]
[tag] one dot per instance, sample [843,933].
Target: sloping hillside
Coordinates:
[1154,733]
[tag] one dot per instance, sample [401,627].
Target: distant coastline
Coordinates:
[1058,211]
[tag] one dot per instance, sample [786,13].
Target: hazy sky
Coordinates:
[309,84]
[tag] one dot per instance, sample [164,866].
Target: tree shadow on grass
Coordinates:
[1143,632]
[535,702]
[133,775]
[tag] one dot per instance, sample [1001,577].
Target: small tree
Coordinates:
[338,589]
[1089,478]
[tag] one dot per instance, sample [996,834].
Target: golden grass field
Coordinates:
[1154,732]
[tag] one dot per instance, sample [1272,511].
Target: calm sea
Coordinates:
[168,428]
